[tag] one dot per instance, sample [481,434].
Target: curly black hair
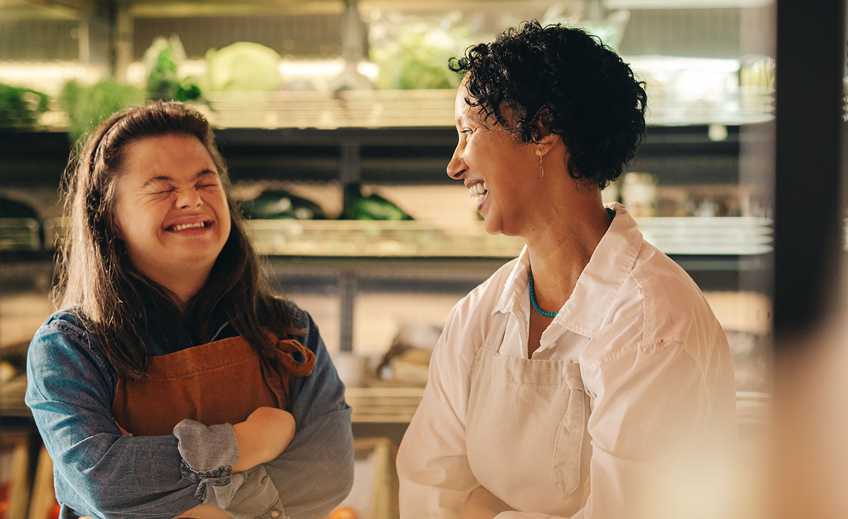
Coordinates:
[565,81]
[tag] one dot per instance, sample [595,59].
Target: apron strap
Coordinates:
[491,345]
[573,378]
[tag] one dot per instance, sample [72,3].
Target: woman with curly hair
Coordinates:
[565,383]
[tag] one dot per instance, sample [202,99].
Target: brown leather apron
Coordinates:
[214,383]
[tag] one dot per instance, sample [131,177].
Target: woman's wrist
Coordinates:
[248,455]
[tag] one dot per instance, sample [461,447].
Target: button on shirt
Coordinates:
[653,358]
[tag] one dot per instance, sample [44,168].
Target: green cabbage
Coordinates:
[417,57]
[242,66]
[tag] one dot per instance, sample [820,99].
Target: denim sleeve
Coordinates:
[99,472]
[315,473]
[245,495]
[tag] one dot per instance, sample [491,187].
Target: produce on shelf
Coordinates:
[359,206]
[413,53]
[11,208]
[757,72]
[21,107]
[593,17]
[242,66]
[88,105]
[275,204]
[162,62]
[20,225]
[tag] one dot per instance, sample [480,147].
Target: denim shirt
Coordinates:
[101,473]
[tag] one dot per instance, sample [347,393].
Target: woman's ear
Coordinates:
[544,140]
[545,144]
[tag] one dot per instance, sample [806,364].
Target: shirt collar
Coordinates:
[610,265]
[516,284]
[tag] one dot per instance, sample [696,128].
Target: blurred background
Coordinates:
[336,120]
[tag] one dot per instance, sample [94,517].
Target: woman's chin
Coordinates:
[492,224]
[185,264]
[495,223]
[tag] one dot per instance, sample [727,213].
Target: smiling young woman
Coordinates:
[171,211]
[163,311]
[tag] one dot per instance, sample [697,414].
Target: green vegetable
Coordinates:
[417,58]
[20,107]
[87,106]
[242,66]
[20,226]
[278,204]
[162,61]
[11,208]
[369,207]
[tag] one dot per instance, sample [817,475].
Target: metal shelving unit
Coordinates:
[406,138]
[356,256]
[677,155]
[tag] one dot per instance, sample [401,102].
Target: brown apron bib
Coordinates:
[214,383]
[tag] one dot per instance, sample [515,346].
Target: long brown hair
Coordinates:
[96,278]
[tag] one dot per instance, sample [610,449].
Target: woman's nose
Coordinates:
[456,167]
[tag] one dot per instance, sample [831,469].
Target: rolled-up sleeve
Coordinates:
[435,477]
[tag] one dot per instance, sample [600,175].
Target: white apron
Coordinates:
[526,436]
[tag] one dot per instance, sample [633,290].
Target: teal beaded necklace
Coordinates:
[535,304]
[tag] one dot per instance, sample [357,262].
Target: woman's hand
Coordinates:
[482,504]
[262,437]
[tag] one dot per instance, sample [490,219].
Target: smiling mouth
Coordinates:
[205,224]
[478,192]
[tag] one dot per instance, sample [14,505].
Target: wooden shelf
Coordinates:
[383,404]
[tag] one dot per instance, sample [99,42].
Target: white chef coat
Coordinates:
[654,363]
